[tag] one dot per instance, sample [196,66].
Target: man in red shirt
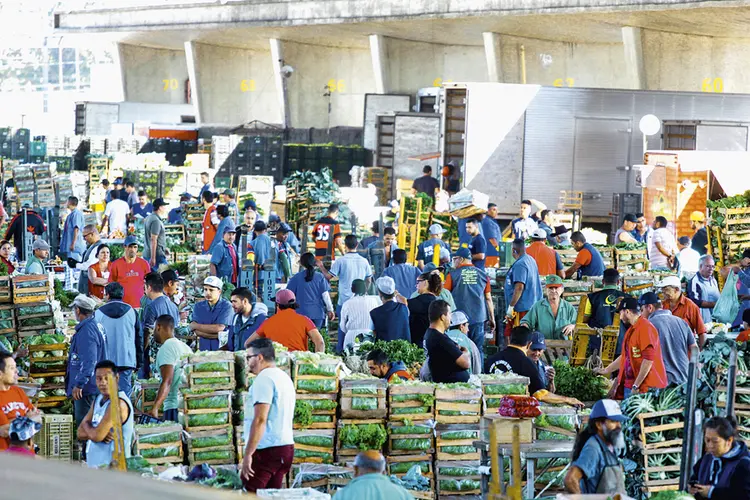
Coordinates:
[682,307]
[13,401]
[130,271]
[287,327]
[547,260]
[210,220]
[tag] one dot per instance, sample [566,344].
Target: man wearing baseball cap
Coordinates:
[287,327]
[675,337]
[283,252]
[595,467]
[547,260]
[35,263]
[682,307]
[536,354]
[224,262]
[640,366]
[552,315]
[155,250]
[130,271]
[211,316]
[700,238]
[459,333]
[625,233]
[426,250]
[175,215]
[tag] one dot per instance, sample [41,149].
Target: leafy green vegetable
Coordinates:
[412,444]
[224,479]
[213,455]
[396,350]
[409,411]
[321,419]
[363,437]
[327,457]
[543,435]
[169,451]
[302,413]
[212,380]
[138,464]
[219,402]
[322,404]
[456,413]
[458,471]
[403,467]
[458,485]
[365,390]
[208,419]
[212,366]
[326,370]
[166,437]
[506,389]
[211,441]
[364,404]
[314,440]
[410,429]
[455,435]
[457,450]
[672,495]
[320,386]
[579,382]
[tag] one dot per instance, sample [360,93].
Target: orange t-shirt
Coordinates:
[323,231]
[687,310]
[583,258]
[742,337]
[288,329]
[13,403]
[640,337]
[545,257]
[209,230]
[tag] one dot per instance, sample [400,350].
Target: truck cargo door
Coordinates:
[600,153]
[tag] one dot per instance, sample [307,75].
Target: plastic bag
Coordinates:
[317,385]
[410,429]
[322,369]
[456,485]
[321,419]
[211,366]
[403,467]
[322,404]
[211,441]
[161,438]
[364,403]
[209,402]
[727,307]
[327,457]
[208,419]
[212,380]
[412,444]
[409,411]
[168,451]
[457,450]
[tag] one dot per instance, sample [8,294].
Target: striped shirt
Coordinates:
[355,313]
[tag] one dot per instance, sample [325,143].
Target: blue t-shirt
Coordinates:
[405,276]
[524,270]
[592,462]
[310,294]
[72,221]
[478,245]
[175,216]
[348,268]
[221,257]
[490,230]
[143,211]
[463,236]
[219,314]
[426,250]
[261,247]
[158,307]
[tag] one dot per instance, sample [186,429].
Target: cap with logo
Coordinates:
[629,303]
[213,281]
[285,297]
[672,281]
[458,318]
[386,285]
[436,229]
[539,234]
[607,408]
[158,203]
[23,428]
[537,341]
[553,281]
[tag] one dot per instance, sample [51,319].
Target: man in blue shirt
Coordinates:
[403,274]
[536,354]
[143,208]
[493,235]
[175,215]
[523,286]
[224,257]
[158,305]
[477,245]
[588,262]
[211,316]
[283,252]
[72,244]
[248,316]
[380,254]
[426,250]
[231,203]
[390,321]
[206,181]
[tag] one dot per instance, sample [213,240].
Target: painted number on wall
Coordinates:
[336,85]
[170,84]
[712,85]
[563,82]
[247,85]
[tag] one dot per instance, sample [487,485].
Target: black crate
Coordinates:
[296,152]
[20,150]
[241,168]
[161,146]
[359,156]
[258,143]
[22,135]
[176,159]
[274,144]
[6,149]
[5,134]
[176,146]
[327,163]
[191,147]
[240,155]
[327,152]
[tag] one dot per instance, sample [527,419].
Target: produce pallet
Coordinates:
[452,400]
[196,413]
[359,391]
[549,422]
[39,372]
[352,452]
[320,412]
[55,440]
[396,440]
[194,448]
[647,428]
[456,435]
[31,288]
[672,468]
[6,287]
[739,391]
[395,464]
[143,434]
[444,480]
[493,390]
[7,319]
[175,231]
[142,400]
[303,381]
[201,379]
[408,391]
[637,285]
[309,451]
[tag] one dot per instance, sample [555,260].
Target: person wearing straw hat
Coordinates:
[552,315]
[21,434]
[426,250]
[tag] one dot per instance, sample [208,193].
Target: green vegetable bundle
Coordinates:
[315,440]
[543,435]
[506,389]
[364,403]
[410,429]
[327,457]
[29,310]
[403,467]
[363,437]
[224,479]
[201,456]
[211,366]
[321,419]
[412,444]
[166,437]
[567,422]
[302,413]
[458,485]
[456,413]
[325,370]
[457,450]
[320,386]
[456,435]
[210,441]
[409,410]
[322,404]
[365,390]
[208,419]
[396,350]
[458,471]
[166,452]
[219,401]
[579,382]
[212,380]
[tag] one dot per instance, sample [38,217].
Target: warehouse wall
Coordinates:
[237,85]
[316,65]
[145,71]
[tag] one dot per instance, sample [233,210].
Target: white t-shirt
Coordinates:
[117,213]
[272,386]
[688,262]
[665,237]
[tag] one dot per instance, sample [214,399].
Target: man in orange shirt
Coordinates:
[287,327]
[641,366]
[547,260]
[682,307]
[13,401]
[210,220]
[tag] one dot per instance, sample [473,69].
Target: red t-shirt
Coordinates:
[13,403]
[288,329]
[131,277]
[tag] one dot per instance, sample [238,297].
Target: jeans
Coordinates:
[171,415]
[270,466]
[126,380]
[160,259]
[476,334]
[340,336]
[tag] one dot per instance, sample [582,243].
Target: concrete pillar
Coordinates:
[120,68]
[194,74]
[277,57]
[379,55]
[493,53]
[633,42]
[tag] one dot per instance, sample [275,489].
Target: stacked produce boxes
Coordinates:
[631,257]
[8,333]
[31,288]
[23,176]
[159,443]
[412,444]
[194,214]
[45,186]
[573,290]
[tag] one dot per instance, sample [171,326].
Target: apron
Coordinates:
[612,479]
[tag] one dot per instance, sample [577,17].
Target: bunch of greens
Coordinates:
[321,188]
[65,297]
[566,422]
[459,485]
[302,413]
[364,404]
[579,382]
[403,467]
[672,495]
[138,464]
[631,246]
[208,419]
[314,440]
[180,267]
[410,429]
[714,206]
[319,386]
[201,456]
[363,437]
[223,439]
[412,444]
[224,479]
[209,402]
[212,380]
[327,457]
[165,452]
[396,350]
[455,435]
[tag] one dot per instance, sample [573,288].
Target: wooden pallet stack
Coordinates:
[146,396]
[314,446]
[194,213]
[494,387]
[458,478]
[411,401]
[399,466]
[212,447]
[34,318]
[344,450]
[661,455]
[6,290]
[412,223]
[632,260]
[734,238]
[567,256]
[458,405]
[159,444]
[8,330]
[50,372]
[608,256]
[318,385]
[31,288]
[363,398]
[45,186]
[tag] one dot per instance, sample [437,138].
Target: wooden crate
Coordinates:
[349,452]
[582,288]
[328,433]
[443,433]
[445,400]
[349,390]
[206,411]
[334,365]
[239,442]
[627,260]
[392,437]
[424,461]
[569,414]
[660,484]
[141,401]
[492,381]
[7,313]
[192,451]
[195,377]
[6,290]
[31,288]
[331,412]
[426,391]
[504,429]
[647,429]
[38,372]
[472,474]
[139,446]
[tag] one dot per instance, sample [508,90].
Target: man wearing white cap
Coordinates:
[391,320]
[35,263]
[211,316]
[595,467]
[459,333]
[425,251]
[682,307]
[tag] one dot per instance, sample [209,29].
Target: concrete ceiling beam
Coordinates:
[632,40]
